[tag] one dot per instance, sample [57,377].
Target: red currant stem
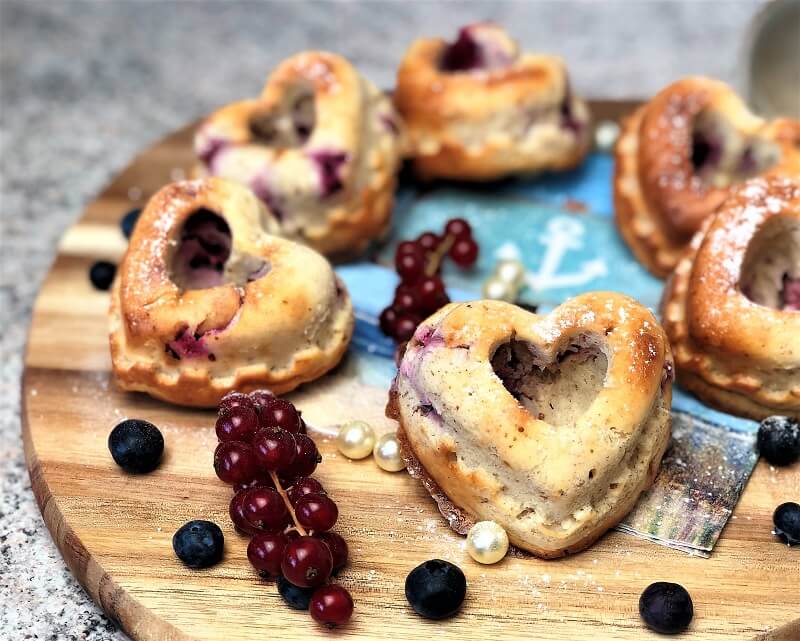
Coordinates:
[289,506]
[438,254]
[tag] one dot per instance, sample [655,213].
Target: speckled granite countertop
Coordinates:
[84,86]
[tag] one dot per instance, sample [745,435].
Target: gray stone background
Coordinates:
[85,85]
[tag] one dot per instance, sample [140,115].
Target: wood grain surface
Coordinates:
[114,530]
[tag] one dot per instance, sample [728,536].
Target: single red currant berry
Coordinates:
[307,562]
[275,449]
[264,509]
[306,460]
[464,252]
[281,413]
[410,267]
[235,462]
[238,517]
[430,293]
[429,241]
[331,605]
[237,424]
[338,547]
[387,320]
[302,486]
[407,247]
[405,326]
[316,512]
[406,302]
[458,228]
[265,552]
[234,399]
[261,399]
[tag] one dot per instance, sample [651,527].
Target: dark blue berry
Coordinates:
[779,440]
[666,607]
[102,274]
[787,523]
[436,589]
[128,221]
[136,446]
[199,544]
[295,597]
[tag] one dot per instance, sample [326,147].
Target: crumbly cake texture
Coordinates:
[207,300]
[550,425]
[732,307]
[321,147]
[478,109]
[678,157]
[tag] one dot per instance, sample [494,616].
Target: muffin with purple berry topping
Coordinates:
[678,157]
[207,300]
[320,147]
[478,109]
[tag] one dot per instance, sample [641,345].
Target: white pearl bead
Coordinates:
[487,542]
[606,134]
[510,271]
[387,453]
[355,439]
[496,289]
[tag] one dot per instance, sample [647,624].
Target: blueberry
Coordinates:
[102,274]
[666,607]
[128,222]
[436,589]
[787,523]
[136,446]
[779,440]
[199,544]
[295,597]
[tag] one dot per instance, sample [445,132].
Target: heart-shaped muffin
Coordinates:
[678,157]
[320,147]
[732,307]
[207,300]
[550,425]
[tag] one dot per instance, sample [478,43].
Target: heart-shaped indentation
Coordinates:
[557,392]
[550,425]
[723,152]
[204,258]
[209,300]
[770,274]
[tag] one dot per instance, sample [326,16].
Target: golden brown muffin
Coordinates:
[207,301]
[678,157]
[320,147]
[732,307]
[477,109]
[551,425]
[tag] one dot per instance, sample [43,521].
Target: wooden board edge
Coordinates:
[124,610]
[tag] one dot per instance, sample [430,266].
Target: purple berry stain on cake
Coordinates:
[187,344]
[390,124]
[790,295]
[477,47]
[260,185]
[208,150]
[329,165]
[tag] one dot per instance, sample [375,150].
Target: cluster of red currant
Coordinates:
[266,455]
[421,290]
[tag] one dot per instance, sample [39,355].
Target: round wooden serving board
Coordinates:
[115,530]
